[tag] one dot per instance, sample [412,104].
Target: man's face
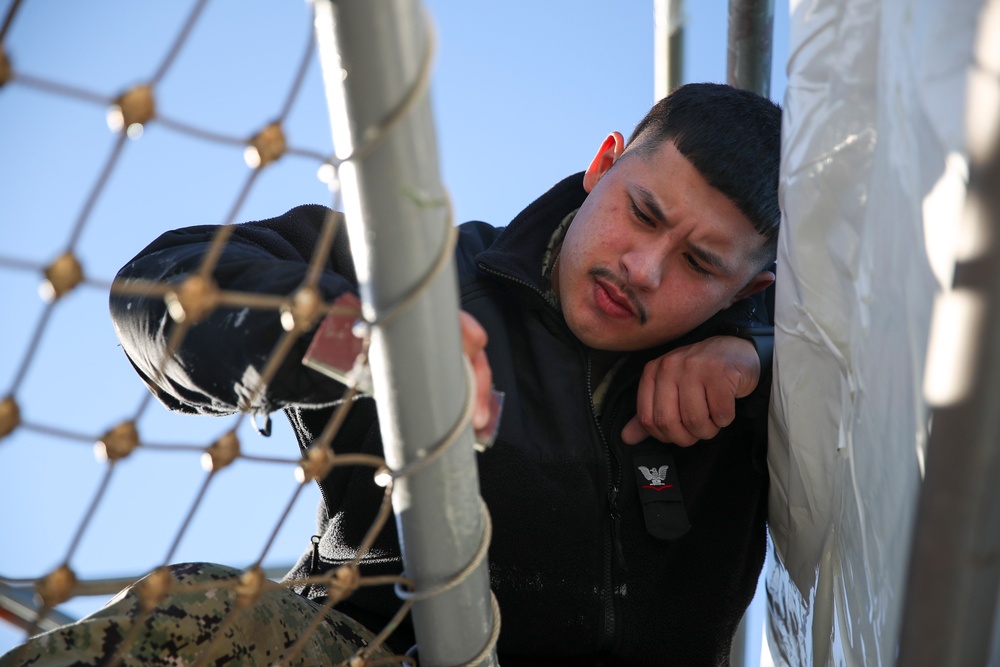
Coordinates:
[653,252]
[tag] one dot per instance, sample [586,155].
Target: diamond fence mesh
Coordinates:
[66,384]
[129,114]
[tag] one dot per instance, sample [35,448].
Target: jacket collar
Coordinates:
[519,251]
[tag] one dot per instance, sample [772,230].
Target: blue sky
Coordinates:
[523,94]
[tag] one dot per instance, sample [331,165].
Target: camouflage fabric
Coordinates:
[181,629]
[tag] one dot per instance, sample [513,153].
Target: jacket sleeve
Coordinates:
[752,319]
[217,367]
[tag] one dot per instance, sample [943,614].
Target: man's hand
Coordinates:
[474,341]
[690,393]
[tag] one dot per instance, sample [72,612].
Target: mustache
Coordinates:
[610,276]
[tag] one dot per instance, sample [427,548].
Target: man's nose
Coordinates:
[643,267]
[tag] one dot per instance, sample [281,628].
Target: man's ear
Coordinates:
[610,151]
[761,281]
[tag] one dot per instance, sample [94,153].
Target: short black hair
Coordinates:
[733,138]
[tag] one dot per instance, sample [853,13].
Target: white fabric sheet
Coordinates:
[873,182]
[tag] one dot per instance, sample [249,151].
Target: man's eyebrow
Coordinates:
[710,258]
[649,203]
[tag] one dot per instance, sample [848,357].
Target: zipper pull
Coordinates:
[264,430]
[314,561]
[313,565]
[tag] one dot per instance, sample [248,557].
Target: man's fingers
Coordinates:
[666,423]
[633,433]
[746,364]
[474,341]
[484,383]
[474,336]
[658,413]
[721,405]
[642,426]
[680,436]
[695,413]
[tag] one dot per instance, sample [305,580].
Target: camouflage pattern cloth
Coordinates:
[182,628]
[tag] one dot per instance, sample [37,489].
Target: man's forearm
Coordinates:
[217,369]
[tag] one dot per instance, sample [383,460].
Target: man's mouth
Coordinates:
[614,297]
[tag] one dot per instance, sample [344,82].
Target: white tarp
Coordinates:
[873,183]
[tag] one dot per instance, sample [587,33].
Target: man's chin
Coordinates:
[607,339]
[608,342]
[598,333]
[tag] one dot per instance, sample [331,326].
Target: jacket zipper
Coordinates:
[615,469]
[612,542]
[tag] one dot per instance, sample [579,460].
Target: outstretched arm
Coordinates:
[217,368]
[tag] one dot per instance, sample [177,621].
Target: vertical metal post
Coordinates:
[748,66]
[668,43]
[751,33]
[951,594]
[372,55]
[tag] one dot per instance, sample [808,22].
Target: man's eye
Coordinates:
[696,265]
[643,218]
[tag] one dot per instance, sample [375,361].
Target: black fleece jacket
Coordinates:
[600,555]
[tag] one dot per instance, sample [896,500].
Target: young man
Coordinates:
[615,541]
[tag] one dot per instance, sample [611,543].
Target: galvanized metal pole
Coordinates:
[751,33]
[951,595]
[668,44]
[748,66]
[373,54]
